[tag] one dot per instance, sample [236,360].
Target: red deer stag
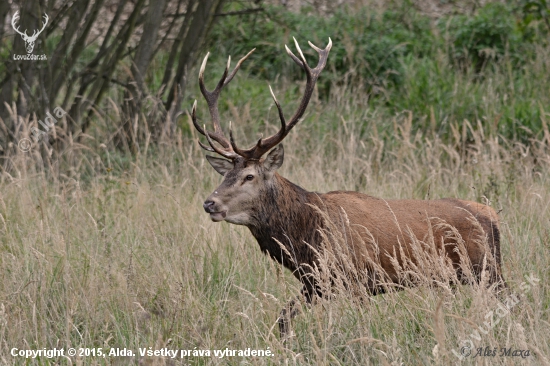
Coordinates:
[287,221]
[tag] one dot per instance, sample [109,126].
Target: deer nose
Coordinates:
[208,206]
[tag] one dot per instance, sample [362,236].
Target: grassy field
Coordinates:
[108,251]
[105,251]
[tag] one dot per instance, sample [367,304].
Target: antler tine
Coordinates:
[264,145]
[194,119]
[226,153]
[230,77]
[302,58]
[232,141]
[206,147]
[315,47]
[281,114]
[296,59]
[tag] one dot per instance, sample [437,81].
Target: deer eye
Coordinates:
[249,177]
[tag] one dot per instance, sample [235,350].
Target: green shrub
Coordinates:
[486,37]
[400,61]
[535,19]
[366,47]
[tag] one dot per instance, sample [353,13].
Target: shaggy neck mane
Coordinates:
[284,213]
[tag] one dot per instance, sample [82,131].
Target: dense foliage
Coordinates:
[403,60]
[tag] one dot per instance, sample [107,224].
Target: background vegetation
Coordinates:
[104,243]
[404,60]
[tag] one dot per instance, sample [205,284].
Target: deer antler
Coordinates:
[212,101]
[264,145]
[229,148]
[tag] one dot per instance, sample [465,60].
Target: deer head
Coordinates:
[248,177]
[29,40]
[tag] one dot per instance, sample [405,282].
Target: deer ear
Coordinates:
[275,158]
[222,166]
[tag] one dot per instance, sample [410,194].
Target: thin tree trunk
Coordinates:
[202,17]
[101,83]
[137,87]
[146,46]
[168,74]
[61,72]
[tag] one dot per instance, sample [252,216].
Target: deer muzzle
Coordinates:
[215,215]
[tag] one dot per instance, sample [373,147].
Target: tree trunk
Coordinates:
[203,18]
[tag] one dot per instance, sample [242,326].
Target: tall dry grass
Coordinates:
[99,250]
